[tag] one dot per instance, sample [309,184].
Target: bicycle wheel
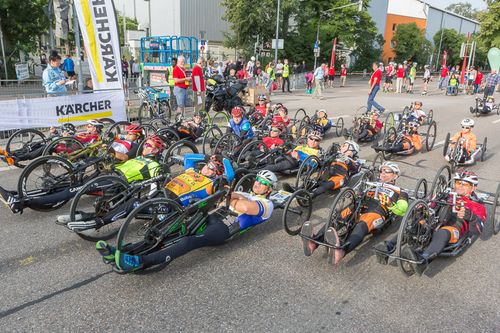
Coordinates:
[389,121]
[116,129]
[210,138]
[145,113]
[483,148]
[148,226]
[227,145]
[446,144]
[251,154]
[339,127]
[220,119]
[174,157]
[170,134]
[377,161]
[300,114]
[24,145]
[495,212]
[431,136]
[342,213]
[430,116]
[420,191]
[164,110]
[440,182]
[96,199]
[297,211]
[308,174]
[245,184]
[63,147]
[159,122]
[389,139]
[46,175]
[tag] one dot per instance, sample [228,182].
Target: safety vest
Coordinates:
[171,81]
[139,168]
[286,71]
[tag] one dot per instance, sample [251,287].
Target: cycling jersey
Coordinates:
[418,114]
[261,109]
[190,185]
[375,126]
[139,168]
[412,140]
[125,147]
[306,151]
[279,119]
[340,170]
[469,140]
[325,123]
[265,210]
[269,141]
[87,137]
[243,128]
[458,228]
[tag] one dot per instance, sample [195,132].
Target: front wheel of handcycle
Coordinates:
[308,174]
[251,153]
[339,127]
[210,138]
[431,136]
[342,213]
[245,183]
[440,182]
[297,211]
[24,142]
[63,147]
[174,157]
[96,199]
[495,212]
[389,139]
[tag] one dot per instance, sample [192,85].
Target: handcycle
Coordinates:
[484,106]
[456,153]
[307,123]
[361,122]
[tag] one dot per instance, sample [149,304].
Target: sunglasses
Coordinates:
[211,166]
[148,145]
[465,127]
[462,183]
[263,182]
[386,171]
[275,130]
[315,140]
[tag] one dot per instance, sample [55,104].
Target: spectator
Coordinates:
[399,79]
[443,77]
[279,73]
[198,85]
[319,74]
[343,75]
[125,68]
[304,67]
[270,77]
[242,74]
[89,86]
[492,80]
[286,76]
[411,78]
[309,82]
[427,78]
[181,84]
[478,81]
[257,73]
[135,69]
[69,66]
[54,80]
[374,88]
[251,66]
[239,64]
[331,76]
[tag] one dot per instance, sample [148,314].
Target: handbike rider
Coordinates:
[371,127]
[375,211]
[250,208]
[464,214]
[467,139]
[191,128]
[410,141]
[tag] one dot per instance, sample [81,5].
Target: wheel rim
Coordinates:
[298,210]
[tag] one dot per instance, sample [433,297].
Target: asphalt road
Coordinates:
[51,280]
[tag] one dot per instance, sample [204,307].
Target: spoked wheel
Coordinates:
[389,139]
[298,210]
[25,145]
[389,121]
[108,122]
[415,231]
[360,185]
[220,119]
[210,138]
[300,114]
[377,161]
[164,110]
[245,184]
[430,117]
[227,145]
[431,136]
[446,144]
[174,158]
[145,113]
[309,173]
[342,213]
[339,127]
[483,149]
[148,226]
[158,122]
[440,182]
[96,199]
[170,134]
[421,189]
[63,147]
[303,126]
[251,154]
[45,175]
[495,212]
[116,129]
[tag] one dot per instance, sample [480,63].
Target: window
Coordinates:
[394,26]
[392,44]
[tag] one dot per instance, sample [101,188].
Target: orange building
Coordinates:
[391,25]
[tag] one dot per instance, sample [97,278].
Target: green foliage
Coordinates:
[451,43]
[463,8]
[130,24]
[490,25]
[410,44]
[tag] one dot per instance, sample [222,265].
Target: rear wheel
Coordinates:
[96,199]
[339,127]
[174,158]
[116,129]
[431,136]
[389,140]
[342,213]
[483,149]
[297,211]
[23,143]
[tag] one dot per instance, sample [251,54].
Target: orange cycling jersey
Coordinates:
[469,140]
[190,185]
[412,140]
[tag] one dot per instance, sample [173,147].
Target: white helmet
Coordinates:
[467,176]
[252,58]
[269,176]
[353,146]
[467,122]
[391,165]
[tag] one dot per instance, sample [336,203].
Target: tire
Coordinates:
[116,129]
[143,231]
[298,113]
[308,174]
[170,134]
[69,144]
[245,183]
[220,119]
[446,144]
[158,123]
[244,162]
[297,211]
[377,161]
[164,110]
[389,121]
[339,127]
[210,138]
[440,181]
[389,138]
[483,148]
[110,186]
[16,144]
[226,145]
[421,189]
[430,117]
[494,219]
[413,233]
[431,136]
[57,173]
[342,213]
[173,158]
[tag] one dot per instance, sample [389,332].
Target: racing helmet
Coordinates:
[391,165]
[237,111]
[262,97]
[315,134]
[269,176]
[134,128]
[95,123]
[467,176]
[158,143]
[419,103]
[322,110]
[215,164]
[353,146]
[467,122]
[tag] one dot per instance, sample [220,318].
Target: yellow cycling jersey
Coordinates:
[190,184]
[305,151]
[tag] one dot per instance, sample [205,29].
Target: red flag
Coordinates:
[334,49]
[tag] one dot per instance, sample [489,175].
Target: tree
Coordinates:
[463,8]
[490,25]
[130,24]
[451,42]
[410,43]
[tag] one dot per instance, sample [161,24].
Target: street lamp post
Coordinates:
[149,17]
[277,34]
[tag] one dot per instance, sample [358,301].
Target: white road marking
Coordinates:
[496,121]
[439,143]
[6,168]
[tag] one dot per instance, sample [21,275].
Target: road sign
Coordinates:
[22,71]
[281,43]
[316,52]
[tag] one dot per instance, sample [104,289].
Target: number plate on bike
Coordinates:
[280,196]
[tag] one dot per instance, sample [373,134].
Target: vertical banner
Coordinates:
[334,49]
[100,34]
[462,75]
[445,54]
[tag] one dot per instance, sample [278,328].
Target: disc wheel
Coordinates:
[297,211]
[174,157]
[339,127]
[308,174]
[342,213]
[46,175]
[149,226]
[23,143]
[251,155]
[210,138]
[96,199]
[431,136]
[415,231]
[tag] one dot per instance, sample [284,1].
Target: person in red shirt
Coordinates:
[181,84]
[93,132]
[198,85]
[273,140]
[400,76]
[374,88]
[388,77]
[478,81]
[343,75]
[331,76]
[263,106]
[282,116]
[442,78]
